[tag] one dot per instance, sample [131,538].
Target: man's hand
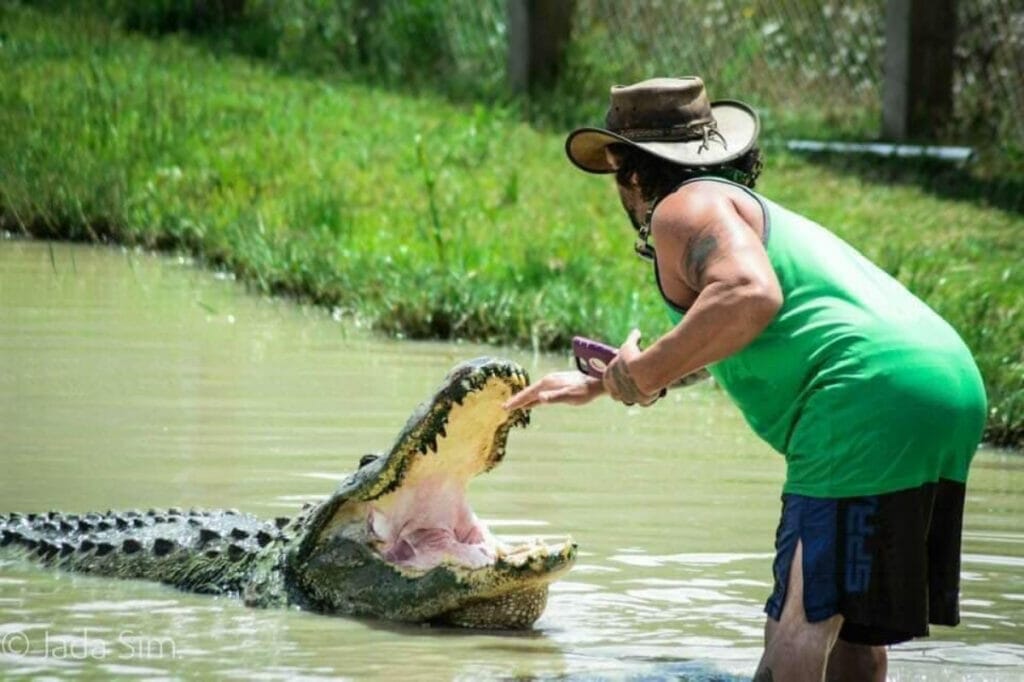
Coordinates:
[571,388]
[619,382]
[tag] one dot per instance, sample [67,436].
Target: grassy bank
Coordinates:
[424,218]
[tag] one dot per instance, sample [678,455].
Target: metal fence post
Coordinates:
[538,31]
[917,98]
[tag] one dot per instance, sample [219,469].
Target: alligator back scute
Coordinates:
[201,551]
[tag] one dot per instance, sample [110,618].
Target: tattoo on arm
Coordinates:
[701,249]
[624,384]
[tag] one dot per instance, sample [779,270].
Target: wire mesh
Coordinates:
[813,68]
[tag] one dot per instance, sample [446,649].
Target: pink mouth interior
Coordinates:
[425,524]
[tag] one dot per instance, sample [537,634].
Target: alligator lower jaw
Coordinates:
[537,556]
[530,563]
[511,593]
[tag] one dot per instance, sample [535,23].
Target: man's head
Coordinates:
[663,131]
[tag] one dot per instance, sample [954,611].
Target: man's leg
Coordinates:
[795,650]
[857,663]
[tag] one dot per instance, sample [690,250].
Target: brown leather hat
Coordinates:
[671,118]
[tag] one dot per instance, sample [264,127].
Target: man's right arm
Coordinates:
[706,246]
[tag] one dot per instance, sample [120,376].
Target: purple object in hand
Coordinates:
[592,357]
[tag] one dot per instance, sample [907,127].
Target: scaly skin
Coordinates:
[327,559]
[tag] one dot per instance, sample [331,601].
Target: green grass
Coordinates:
[423,218]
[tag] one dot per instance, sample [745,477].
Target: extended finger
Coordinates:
[525,398]
[633,339]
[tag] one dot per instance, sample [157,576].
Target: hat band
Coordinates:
[703,130]
[683,131]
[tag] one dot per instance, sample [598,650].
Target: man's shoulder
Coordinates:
[699,203]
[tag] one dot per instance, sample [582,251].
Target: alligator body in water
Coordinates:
[397,540]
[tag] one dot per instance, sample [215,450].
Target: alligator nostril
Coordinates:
[366,459]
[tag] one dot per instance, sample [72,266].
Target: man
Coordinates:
[872,398]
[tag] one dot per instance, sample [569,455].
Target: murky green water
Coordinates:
[128,380]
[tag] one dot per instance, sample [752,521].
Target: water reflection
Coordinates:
[133,381]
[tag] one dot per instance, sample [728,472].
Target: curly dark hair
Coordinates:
[658,177]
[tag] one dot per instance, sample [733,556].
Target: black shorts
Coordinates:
[890,564]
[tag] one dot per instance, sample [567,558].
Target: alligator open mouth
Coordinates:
[408,508]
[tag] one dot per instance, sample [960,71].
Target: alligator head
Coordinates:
[399,540]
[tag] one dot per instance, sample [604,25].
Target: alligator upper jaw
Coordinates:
[410,505]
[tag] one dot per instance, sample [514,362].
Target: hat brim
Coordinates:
[736,122]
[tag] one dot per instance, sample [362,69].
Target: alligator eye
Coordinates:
[366,459]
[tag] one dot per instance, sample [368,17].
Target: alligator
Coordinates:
[397,540]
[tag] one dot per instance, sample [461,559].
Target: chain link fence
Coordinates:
[813,68]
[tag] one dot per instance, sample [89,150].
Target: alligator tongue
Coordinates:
[424,524]
[428,547]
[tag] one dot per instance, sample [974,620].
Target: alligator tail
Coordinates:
[201,551]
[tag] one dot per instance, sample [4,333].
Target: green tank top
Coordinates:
[860,385]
